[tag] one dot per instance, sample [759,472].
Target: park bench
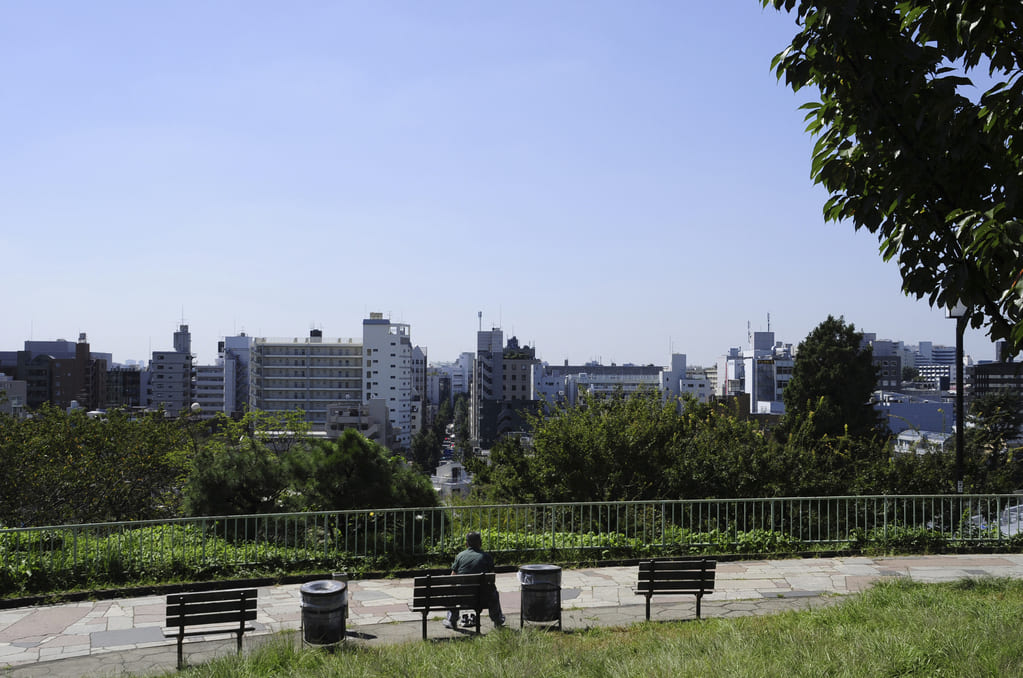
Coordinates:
[215,612]
[450,591]
[692,576]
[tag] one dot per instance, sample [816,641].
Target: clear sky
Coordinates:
[605,180]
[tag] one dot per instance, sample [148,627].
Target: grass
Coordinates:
[897,628]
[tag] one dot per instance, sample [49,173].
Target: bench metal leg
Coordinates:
[699,597]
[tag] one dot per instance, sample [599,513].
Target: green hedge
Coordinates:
[49,562]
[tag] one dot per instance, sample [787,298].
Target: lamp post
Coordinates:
[961,315]
[191,418]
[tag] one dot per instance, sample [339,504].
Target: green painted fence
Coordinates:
[586,529]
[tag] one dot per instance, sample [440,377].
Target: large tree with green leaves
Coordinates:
[247,466]
[833,376]
[62,467]
[918,127]
[634,447]
[993,429]
[354,472]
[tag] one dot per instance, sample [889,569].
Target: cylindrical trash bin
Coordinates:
[324,608]
[540,594]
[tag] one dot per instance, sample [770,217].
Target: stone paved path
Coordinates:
[115,637]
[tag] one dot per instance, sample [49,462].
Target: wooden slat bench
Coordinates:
[224,611]
[450,591]
[691,576]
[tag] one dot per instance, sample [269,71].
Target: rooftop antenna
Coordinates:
[479,314]
[768,321]
[749,333]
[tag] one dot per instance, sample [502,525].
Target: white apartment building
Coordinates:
[208,391]
[328,378]
[304,373]
[387,372]
[679,380]
[767,368]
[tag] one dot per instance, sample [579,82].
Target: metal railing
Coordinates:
[186,546]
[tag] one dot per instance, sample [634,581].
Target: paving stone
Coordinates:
[126,637]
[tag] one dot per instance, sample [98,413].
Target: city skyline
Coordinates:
[605,182]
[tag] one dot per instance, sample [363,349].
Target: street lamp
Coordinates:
[962,316]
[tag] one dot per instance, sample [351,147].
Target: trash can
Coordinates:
[540,594]
[324,608]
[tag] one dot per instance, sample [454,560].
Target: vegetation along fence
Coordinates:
[66,556]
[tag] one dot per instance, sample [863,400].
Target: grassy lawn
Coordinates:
[897,628]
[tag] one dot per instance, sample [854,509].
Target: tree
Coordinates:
[908,150]
[354,472]
[461,418]
[614,448]
[833,377]
[994,427]
[62,467]
[426,450]
[245,466]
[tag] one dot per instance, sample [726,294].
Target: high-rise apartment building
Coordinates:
[235,353]
[208,390]
[387,372]
[503,386]
[327,378]
[171,376]
[308,374]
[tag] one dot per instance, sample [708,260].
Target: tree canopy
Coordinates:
[66,467]
[918,140]
[353,472]
[833,376]
[994,456]
[264,465]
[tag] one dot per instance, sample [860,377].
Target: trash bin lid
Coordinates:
[534,574]
[323,587]
[534,569]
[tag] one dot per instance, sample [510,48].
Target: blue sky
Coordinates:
[604,180]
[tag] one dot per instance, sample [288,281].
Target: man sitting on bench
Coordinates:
[473,560]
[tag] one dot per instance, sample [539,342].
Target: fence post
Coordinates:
[554,509]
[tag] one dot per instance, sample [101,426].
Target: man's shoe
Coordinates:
[500,622]
[447,624]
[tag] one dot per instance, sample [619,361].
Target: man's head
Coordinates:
[473,540]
